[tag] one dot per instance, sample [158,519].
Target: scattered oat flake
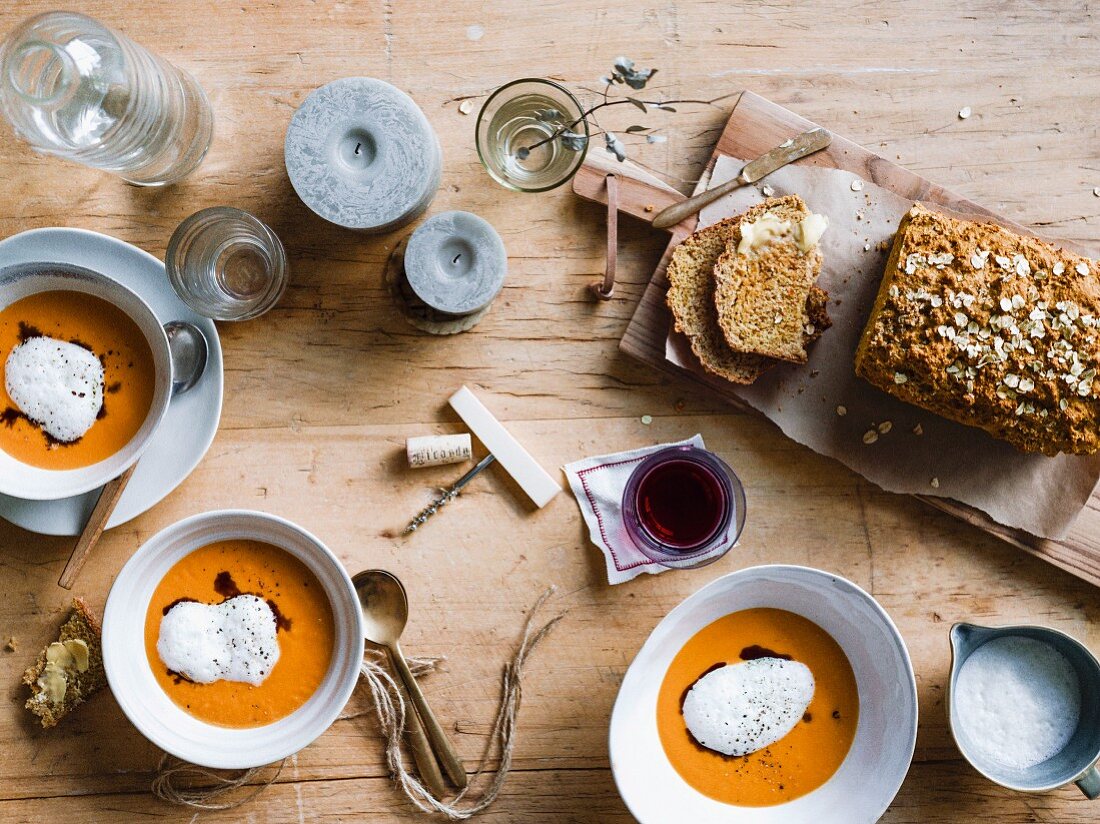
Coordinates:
[964,113]
[870,436]
[857,185]
[767,190]
[885,427]
[935,483]
[647,419]
[1082,268]
[918,430]
[466,106]
[842,411]
[866,247]
[12,644]
[1096,191]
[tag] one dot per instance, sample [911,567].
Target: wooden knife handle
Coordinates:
[97,522]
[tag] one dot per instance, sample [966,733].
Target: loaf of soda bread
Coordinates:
[991,329]
[691,298]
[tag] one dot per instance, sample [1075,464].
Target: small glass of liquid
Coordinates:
[227,264]
[684,507]
[519,135]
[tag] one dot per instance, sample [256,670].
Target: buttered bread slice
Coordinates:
[691,299]
[764,277]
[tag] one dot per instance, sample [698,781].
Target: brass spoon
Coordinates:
[385,612]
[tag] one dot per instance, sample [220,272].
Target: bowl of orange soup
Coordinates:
[85,379]
[772,695]
[232,639]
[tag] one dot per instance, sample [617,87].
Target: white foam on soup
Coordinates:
[56,384]
[231,641]
[1017,701]
[741,708]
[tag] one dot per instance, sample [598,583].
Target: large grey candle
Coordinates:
[361,154]
[455,262]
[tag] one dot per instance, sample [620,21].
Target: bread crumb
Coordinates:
[842,411]
[1096,191]
[649,207]
[647,420]
[767,190]
[857,185]
[964,113]
[466,106]
[12,645]
[935,482]
[918,430]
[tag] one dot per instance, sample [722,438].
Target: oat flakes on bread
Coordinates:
[69,670]
[991,329]
[764,277]
[691,300]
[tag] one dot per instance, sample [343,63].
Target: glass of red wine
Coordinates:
[683,507]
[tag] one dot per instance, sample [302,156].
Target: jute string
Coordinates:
[175,779]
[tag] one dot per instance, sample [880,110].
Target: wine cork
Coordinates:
[436,450]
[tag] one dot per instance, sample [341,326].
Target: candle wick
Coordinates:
[457,257]
[357,145]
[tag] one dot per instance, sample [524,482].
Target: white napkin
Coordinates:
[598,485]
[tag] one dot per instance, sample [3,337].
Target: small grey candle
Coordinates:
[456,262]
[361,154]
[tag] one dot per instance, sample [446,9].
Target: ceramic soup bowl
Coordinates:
[149,707]
[875,766]
[21,480]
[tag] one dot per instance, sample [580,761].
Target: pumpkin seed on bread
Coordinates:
[764,277]
[69,670]
[691,298]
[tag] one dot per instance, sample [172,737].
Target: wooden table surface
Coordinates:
[321,393]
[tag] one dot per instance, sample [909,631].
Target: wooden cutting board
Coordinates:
[755,126]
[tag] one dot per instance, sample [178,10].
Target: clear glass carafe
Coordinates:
[72,87]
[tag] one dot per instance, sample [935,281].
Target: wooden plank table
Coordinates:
[321,393]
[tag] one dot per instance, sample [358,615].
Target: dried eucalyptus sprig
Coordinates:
[623,73]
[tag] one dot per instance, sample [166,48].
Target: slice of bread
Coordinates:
[762,289]
[69,670]
[691,298]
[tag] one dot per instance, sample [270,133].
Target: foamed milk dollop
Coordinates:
[1017,701]
[56,384]
[231,641]
[742,708]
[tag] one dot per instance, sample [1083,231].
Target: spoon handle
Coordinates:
[440,743]
[426,764]
[93,529]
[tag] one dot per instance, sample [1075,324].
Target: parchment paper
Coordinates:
[1031,492]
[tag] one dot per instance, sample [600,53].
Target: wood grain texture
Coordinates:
[322,392]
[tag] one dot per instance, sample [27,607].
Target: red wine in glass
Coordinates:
[681,503]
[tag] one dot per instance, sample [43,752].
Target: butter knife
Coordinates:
[786,152]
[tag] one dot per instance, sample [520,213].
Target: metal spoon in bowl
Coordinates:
[189,352]
[385,613]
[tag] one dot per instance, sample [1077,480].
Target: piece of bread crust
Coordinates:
[991,329]
[82,625]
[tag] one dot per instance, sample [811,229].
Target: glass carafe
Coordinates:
[72,87]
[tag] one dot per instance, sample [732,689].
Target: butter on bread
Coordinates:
[763,281]
[69,670]
[691,298]
[991,329]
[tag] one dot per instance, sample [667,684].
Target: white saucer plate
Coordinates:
[192,419]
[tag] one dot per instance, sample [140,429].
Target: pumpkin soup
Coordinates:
[78,379]
[229,589]
[777,646]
